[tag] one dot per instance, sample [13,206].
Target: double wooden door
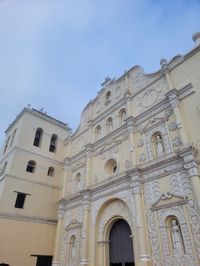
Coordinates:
[121,246]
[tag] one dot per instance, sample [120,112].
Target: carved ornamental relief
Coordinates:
[177,258]
[151,95]
[115,208]
[152,194]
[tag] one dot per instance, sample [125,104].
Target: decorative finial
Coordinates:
[163,63]
[196,38]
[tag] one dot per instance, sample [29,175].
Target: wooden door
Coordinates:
[121,246]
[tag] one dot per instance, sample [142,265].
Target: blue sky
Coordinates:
[55,54]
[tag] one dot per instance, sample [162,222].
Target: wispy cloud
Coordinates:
[56,53]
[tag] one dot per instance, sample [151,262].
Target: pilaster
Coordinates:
[192,167]
[174,102]
[56,254]
[88,165]
[132,131]
[84,259]
[144,257]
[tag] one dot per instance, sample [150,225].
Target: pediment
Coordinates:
[73,225]
[167,200]
[108,145]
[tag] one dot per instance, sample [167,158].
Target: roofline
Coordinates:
[40,115]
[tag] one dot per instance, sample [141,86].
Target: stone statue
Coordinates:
[177,239]
[159,145]
[123,115]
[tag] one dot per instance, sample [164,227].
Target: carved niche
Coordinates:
[161,129]
[173,258]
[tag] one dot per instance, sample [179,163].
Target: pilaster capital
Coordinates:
[136,188]
[188,154]
[68,139]
[135,181]
[61,209]
[88,148]
[173,98]
[89,122]
[86,199]
[66,164]
[130,124]
[127,95]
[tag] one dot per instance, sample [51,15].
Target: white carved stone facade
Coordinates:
[134,157]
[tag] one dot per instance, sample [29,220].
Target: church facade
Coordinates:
[122,190]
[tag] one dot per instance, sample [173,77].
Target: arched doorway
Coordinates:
[121,246]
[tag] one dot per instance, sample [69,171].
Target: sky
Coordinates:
[54,54]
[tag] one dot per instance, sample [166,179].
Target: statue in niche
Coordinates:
[73,247]
[177,240]
[159,147]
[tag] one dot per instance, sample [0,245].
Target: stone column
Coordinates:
[88,165]
[165,70]
[132,141]
[66,174]
[174,102]
[90,131]
[191,165]
[129,105]
[103,253]
[144,257]
[84,260]
[56,254]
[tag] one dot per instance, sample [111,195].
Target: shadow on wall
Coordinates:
[4,264]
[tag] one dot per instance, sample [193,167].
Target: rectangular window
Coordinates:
[43,260]
[20,199]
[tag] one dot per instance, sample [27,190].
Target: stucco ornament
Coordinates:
[182,253]
[142,157]
[173,126]
[151,95]
[116,208]
[176,142]
[140,143]
[152,194]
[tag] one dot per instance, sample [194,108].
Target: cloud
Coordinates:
[56,53]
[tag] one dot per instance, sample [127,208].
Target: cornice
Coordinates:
[33,181]
[40,115]
[27,218]
[183,58]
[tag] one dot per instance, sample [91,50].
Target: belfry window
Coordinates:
[38,136]
[53,142]
[31,166]
[50,171]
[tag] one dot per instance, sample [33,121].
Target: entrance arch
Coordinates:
[121,245]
